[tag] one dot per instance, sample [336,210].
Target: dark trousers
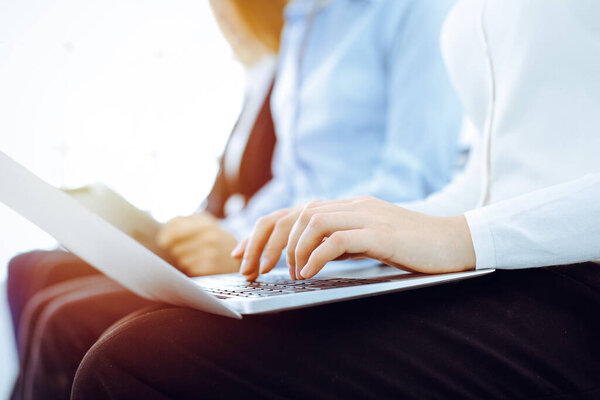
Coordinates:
[60,306]
[32,272]
[526,334]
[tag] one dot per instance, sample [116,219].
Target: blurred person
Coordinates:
[39,280]
[247,155]
[198,244]
[528,199]
[361,105]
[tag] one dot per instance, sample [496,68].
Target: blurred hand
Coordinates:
[362,227]
[198,245]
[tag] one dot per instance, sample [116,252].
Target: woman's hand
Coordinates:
[198,245]
[362,227]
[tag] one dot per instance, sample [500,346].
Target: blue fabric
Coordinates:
[362,105]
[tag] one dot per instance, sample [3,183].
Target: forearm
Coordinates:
[460,243]
[553,226]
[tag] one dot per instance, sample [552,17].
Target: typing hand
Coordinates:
[198,245]
[324,231]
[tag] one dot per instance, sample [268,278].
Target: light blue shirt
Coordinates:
[362,105]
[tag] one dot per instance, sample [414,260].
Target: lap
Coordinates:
[511,334]
[66,319]
[29,273]
[60,306]
[39,302]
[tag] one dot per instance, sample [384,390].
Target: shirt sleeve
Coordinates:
[462,194]
[553,226]
[423,112]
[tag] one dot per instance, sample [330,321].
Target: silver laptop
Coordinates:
[124,259]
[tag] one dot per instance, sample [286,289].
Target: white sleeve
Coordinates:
[460,195]
[553,226]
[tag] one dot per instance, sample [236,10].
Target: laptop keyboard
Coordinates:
[231,286]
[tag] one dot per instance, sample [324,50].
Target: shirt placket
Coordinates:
[302,184]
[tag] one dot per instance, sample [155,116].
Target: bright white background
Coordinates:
[140,95]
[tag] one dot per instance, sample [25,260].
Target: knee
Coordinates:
[61,332]
[27,274]
[21,273]
[134,344]
[151,346]
[51,347]
[95,377]
[21,268]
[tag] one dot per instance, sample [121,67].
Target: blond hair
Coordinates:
[252,27]
[263,18]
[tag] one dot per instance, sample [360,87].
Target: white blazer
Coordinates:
[528,74]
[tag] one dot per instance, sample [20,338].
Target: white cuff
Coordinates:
[483,240]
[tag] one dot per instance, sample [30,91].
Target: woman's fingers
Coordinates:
[257,241]
[356,241]
[277,242]
[272,233]
[325,231]
[304,218]
[321,226]
[239,250]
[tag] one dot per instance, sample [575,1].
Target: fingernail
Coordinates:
[306,272]
[264,263]
[291,262]
[236,251]
[245,268]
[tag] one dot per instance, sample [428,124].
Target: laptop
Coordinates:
[119,256]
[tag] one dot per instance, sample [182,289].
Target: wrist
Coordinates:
[461,244]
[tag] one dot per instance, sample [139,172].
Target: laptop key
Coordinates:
[266,286]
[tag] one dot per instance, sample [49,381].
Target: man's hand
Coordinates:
[362,227]
[198,245]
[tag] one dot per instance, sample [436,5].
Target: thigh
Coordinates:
[66,328]
[31,272]
[512,334]
[39,301]
[35,308]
